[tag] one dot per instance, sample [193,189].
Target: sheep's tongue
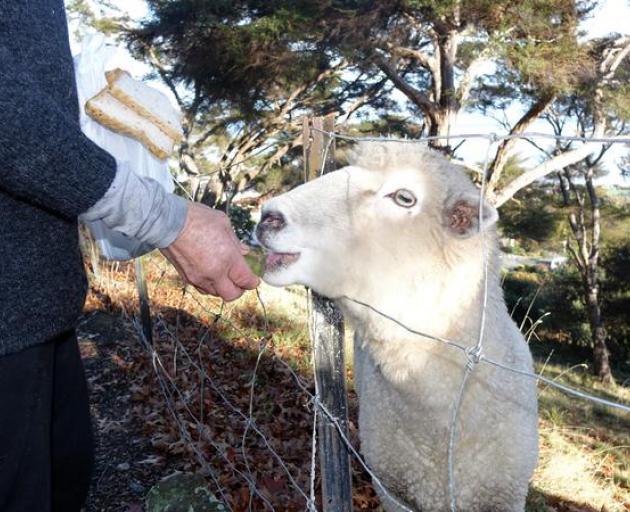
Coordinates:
[274,259]
[278,259]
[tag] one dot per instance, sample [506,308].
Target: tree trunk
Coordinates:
[601,355]
[601,363]
[446,103]
[586,259]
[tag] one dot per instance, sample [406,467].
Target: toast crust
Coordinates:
[120,118]
[118,91]
[116,108]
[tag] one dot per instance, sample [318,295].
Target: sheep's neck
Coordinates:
[446,305]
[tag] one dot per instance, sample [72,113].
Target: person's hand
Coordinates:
[208,255]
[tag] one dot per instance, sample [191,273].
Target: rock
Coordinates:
[182,492]
[123,467]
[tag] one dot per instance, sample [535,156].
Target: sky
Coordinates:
[609,16]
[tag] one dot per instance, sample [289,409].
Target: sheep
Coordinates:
[398,230]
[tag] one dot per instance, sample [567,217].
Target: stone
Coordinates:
[183,492]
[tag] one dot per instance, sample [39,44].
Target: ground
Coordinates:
[227,393]
[126,463]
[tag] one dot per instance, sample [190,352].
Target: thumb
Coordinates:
[242,276]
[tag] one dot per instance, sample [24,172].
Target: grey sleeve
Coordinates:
[140,208]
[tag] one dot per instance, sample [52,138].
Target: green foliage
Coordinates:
[279,178]
[242,222]
[532,293]
[534,221]
[247,50]
[534,218]
[82,12]
[243,51]
[616,292]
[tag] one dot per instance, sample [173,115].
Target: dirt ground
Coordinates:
[127,466]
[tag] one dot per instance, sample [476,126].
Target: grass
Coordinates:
[584,448]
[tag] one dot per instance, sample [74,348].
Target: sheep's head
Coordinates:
[398,214]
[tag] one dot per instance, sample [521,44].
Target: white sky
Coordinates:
[610,16]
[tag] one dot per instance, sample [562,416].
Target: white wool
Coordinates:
[355,241]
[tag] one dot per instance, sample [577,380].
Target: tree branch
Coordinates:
[612,59]
[507,146]
[527,178]
[422,58]
[471,74]
[417,97]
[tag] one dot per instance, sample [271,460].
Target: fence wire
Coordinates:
[473,351]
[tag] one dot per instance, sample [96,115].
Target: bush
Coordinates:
[531,293]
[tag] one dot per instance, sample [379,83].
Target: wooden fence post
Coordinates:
[327,332]
[143,296]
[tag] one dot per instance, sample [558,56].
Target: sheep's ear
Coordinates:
[461,215]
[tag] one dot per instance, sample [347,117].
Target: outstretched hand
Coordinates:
[208,255]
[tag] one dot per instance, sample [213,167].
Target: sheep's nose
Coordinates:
[272,220]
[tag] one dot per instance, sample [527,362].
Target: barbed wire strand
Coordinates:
[567,389]
[252,387]
[253,425]
[184,433]
[622,139]
[201,427]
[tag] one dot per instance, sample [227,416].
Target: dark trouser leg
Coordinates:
[72,444]
[25,405]
[46,450]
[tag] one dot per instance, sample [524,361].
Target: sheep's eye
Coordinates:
[404,198]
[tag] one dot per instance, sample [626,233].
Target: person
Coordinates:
[50,175]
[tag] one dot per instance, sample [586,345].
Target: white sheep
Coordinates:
[399,230]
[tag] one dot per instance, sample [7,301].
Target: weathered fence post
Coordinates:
[143,296]
[327,332]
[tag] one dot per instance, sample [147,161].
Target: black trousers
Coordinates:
[46,442]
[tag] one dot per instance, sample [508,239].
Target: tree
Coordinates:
[434,52]
[584,249]
[244,73]
[99,15]
[267,62]
[594,107]
[603,93]
[438,55]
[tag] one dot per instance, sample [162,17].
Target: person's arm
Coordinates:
[45,158]
[48,161]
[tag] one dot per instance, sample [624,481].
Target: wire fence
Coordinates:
[191,423]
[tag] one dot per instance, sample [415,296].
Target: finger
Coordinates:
[228,291]
[244,248]
[207,289]
[242,276]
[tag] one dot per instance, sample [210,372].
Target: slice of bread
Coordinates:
[107,110]
[146,101]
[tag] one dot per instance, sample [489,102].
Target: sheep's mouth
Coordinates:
[278,260]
